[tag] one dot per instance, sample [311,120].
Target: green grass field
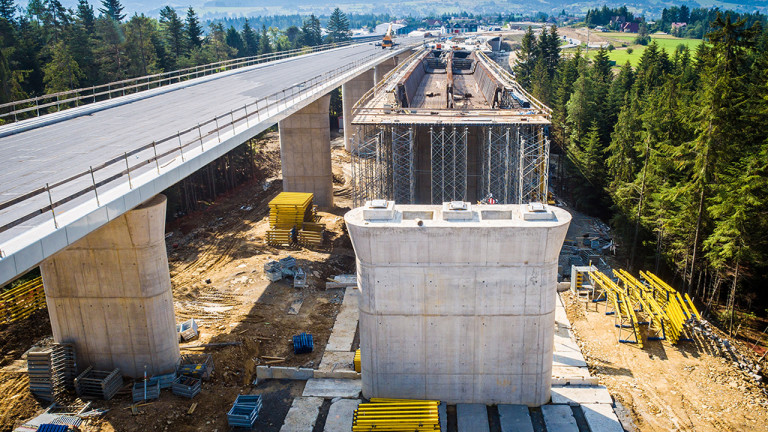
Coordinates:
[621,56]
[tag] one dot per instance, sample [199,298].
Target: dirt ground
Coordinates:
[683,387]
[216,259]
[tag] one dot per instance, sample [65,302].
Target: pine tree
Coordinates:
[194,31]
[110,49]
[140,52]
[62,73]
[112,9]
[173,30]
[86,16]
[235,41]
[7,9]
[338,26]
[311,32]
[250,40]
[264,45]
[525,63]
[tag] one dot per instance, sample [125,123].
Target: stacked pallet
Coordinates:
[51,370]
[186,386]
[396,415]
[146,390]
[292,218]
[357,361]
[197,366]
[244,411]
[98,384]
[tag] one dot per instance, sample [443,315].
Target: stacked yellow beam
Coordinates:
[21,301]
[623,308]
[357,361]
[643,296]
[311,234]
[396,415]
[290,210]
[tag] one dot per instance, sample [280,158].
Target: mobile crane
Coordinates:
[387,42]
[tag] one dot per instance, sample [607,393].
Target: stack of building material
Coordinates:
[51,370]
[244,411]
[52,428]
[166,380]
[187,330]
[273,271]
[146,390]
[186,386]
[292,211]
[396,415]
[357,361]
[196,365]
[98,384]
[303,343]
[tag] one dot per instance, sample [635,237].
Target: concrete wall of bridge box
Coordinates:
[461,308]
[110,295]
[351,92]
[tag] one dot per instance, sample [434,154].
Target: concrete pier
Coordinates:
[351,92]
[305,152]
[110,295]
[457,304]
[383,68]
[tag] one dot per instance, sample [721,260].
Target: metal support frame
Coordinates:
[403,176]
[449,163]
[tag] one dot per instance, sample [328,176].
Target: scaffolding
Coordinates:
[403,174]
[449,163]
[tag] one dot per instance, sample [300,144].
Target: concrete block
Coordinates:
[601,417]
[515,418]
[442,415]
[576,395]
[340,415]
[568,375]
[345,326]
[302,415]
[472,418]
[281,372]
[331,388]
[569,358]
[559,418]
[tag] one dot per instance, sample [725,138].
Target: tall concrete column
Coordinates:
[110,295]
[305,152]
[351,92]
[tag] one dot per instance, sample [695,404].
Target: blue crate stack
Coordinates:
[244,411]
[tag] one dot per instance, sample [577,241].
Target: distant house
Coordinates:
[460,28]
[678,25]
[630,27]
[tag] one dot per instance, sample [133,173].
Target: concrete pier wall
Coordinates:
[351,92]
[305,152]
[461,308]
[110,295]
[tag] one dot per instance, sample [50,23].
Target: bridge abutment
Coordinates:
[351,92]
[110,295]
[305,152]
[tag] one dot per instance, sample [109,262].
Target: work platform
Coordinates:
[450,125]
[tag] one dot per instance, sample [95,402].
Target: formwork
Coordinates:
[448,126]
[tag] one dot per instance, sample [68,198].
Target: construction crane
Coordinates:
[387,42]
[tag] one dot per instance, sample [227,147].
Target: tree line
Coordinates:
[47,48]
[673,152]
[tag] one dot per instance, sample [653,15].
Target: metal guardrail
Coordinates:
[513,82]
[87,95]
[20,302]
[194,136]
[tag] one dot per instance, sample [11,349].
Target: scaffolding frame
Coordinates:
[403,174]
[448,152]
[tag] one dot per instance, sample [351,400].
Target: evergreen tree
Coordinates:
[525,63]
[338,26]
[264,45]
[194,31]
[7,9]
[86,16]
[62,73]
[110,49]
[235,41]
[140,52]
[293,33]
[311,33]
[173,30]
[112,9]
[250,40]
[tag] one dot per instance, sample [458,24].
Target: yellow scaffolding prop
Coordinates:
[357,361]
[396,415]
[625,318]
[22,301]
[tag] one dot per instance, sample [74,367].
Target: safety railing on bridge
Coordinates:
[33,107]
[159,154]
[22,301]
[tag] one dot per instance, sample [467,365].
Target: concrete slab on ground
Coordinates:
[284,372]
[331,388]
[340,415]
[578,395]
[562,375]
[515,418]
[472,418]
[565,343]
[601,417]
[345,327]
[302,415]
[568,358]
[559,418]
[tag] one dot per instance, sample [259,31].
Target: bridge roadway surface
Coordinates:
[45,150]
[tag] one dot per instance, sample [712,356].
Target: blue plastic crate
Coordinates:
[303,343]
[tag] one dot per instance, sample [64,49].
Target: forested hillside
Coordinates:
[674,153]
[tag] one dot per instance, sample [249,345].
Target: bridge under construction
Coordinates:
[450,125]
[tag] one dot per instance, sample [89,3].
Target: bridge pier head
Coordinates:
[305,152]
[110,295]
[351,92]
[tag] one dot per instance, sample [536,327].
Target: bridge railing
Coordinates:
[55,198]
[34,107]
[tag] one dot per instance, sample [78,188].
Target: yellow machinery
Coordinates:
[396,415]
[387,42]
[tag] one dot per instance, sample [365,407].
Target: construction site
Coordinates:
[445,289]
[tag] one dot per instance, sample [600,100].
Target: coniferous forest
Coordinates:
[672,153]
